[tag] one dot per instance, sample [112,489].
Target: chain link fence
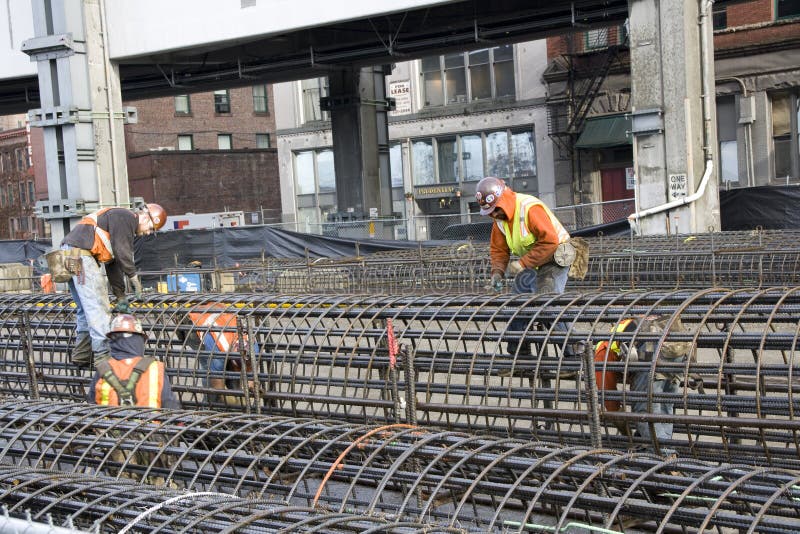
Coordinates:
[456,226]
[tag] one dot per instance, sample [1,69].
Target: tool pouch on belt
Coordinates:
[58,265]
[73,261]
[580,266]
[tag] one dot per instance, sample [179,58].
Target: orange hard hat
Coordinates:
[157,214]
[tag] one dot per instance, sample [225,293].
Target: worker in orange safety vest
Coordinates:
[128,378]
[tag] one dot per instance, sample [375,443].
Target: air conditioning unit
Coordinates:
[162,148]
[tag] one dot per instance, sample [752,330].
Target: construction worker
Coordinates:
[527,228]
[635,351]
[104,237]
[128,378]
[218,334]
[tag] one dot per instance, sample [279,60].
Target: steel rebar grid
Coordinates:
[400,472]
[325,356]
[103,504]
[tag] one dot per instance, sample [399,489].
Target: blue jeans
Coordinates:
[549,278]
[641,382]
[93,308]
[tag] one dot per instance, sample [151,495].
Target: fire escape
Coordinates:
[585,74]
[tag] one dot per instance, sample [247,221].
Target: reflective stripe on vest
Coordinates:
[518,236]
[619,329]
[105,390]
[101,249]
[154,389]
[223,340]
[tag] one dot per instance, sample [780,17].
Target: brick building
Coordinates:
[17,187]
[756,46]
[206,152]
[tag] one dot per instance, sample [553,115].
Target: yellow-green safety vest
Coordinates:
[518,237]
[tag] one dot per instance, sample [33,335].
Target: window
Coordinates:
[785,138]
[464,77]
[260,99]
[597,38]
[720,18]
[316,187]
[10,189]
[183,105]
[262,140]
[313,89]
[2,197]
[222,101]
[31,192]
[787,8]
[23,194]
[727,126]
[396,164]
[185,142]
[469,157]
[2,162]
[20,159]
[23,224]
[224,141]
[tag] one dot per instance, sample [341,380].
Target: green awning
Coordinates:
[605,131]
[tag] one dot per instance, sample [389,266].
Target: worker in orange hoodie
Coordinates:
[527,228]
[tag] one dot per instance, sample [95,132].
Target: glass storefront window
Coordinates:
[472,157]
[422,157]
[325,169]
[304,168]
[524,152]
[448,159]
[396,164]
[497,154]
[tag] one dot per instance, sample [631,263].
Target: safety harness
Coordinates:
[126,389]
[101,249]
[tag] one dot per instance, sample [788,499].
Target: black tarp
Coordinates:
[22,251]
[228,246]
[771,207]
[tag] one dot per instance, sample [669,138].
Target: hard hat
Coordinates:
[488,192]
[126,323]
[157,214]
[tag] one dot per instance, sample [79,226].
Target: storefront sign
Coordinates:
[401,92]
[435,191]
[630,178]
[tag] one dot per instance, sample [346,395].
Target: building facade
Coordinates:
[756,46]
[207,152]
[18,191]
[458,117]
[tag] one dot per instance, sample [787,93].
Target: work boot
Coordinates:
[81,355]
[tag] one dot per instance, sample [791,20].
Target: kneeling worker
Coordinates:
[128,378]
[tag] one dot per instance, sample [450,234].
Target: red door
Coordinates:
[615,187]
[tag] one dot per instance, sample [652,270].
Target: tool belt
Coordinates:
[64,264]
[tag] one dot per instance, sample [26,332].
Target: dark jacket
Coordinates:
[121,225]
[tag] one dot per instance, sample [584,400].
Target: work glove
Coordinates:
[136,284]
[515,267]
[496,283]
[121,306]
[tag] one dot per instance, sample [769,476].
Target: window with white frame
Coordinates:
[458,78]
[185,142]
[31,192]
[224,141]
[182,105]
[222,101]
[312,89]
[21,159]
[315,180]
[262,140]
[508,154]
[23,194]
[260,104]
[785,137]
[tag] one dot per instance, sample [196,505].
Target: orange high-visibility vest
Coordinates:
[224,341]
[148,387]
[608,380]
[101,249]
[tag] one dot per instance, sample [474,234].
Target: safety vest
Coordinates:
[133,381]
[101,248]
[224,341]
[607,380]
[518,236]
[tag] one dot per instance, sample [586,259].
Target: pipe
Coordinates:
[705,7]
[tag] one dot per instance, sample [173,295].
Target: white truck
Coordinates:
[192,221]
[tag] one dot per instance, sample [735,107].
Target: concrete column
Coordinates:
[360,128]
[667,69]
[81,114]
